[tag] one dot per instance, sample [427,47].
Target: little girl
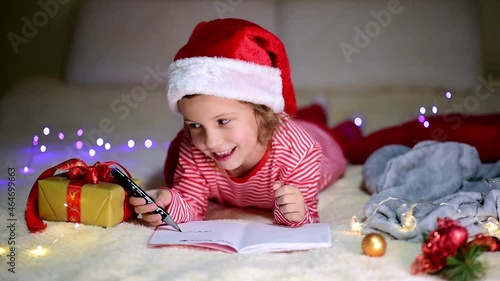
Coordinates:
[243,144]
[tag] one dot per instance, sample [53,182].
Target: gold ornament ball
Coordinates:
[373,245]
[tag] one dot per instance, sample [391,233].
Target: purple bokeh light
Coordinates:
[78,144]
[148,143]
[358,121]
[434,109]
[131,143]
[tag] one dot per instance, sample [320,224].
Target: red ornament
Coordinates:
[446,251]
[441,243]
[488,243]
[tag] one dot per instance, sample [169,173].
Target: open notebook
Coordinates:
[243,236]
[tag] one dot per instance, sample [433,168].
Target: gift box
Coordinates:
[103,204]
[84,194]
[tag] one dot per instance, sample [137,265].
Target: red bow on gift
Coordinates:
[77,169]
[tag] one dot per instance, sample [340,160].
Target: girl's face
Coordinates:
[225,130]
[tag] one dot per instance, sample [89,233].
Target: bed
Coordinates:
[101,95]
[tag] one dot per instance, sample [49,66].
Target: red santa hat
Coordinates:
[236,59]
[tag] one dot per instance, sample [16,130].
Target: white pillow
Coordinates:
[121,41]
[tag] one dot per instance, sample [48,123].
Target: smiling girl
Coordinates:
[243,144]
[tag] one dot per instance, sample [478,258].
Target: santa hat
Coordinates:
[236,59]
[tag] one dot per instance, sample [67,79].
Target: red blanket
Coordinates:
[480,131]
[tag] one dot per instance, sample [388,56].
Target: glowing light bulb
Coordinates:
[422,110]
[358,121]
[99,142]
[43,148]
[65,205]
[491,226]
[448,95]
[148,143]
[38,251]
[79,132]
[355,225]
[2,250]
[91,152]
[107,146]
[77,225]
[25,169]
[78,144]
[434,109]
[60,135]
[46,131]
[426,124]
[409,224]
[421,118]
[131,143]
[36,138]
[408,221]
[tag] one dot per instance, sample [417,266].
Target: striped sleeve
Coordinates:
[190,190]
[300,167]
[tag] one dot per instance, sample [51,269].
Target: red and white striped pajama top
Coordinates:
[300,154]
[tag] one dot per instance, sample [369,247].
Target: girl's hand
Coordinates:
[162,199]
[290,201]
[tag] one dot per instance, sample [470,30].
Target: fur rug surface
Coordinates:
[121,253]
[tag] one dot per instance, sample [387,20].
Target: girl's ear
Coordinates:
[258,117]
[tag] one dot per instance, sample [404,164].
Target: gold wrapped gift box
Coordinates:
[103,204]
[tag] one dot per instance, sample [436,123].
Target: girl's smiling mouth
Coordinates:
[224,155]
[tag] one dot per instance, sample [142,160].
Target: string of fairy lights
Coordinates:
[80,146]
[491,225]
[86,147]
[408,222]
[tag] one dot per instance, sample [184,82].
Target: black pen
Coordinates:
[128,183]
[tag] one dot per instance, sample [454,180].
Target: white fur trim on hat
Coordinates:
[227,78]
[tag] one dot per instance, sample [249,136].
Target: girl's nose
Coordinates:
[213,139]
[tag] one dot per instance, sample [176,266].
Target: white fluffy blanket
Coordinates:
[120,252]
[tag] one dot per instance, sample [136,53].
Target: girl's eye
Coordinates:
[223,121]
[194,125]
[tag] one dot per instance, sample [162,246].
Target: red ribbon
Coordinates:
[73,196]
[80,173]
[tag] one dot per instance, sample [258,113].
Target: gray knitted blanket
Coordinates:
[433,179]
